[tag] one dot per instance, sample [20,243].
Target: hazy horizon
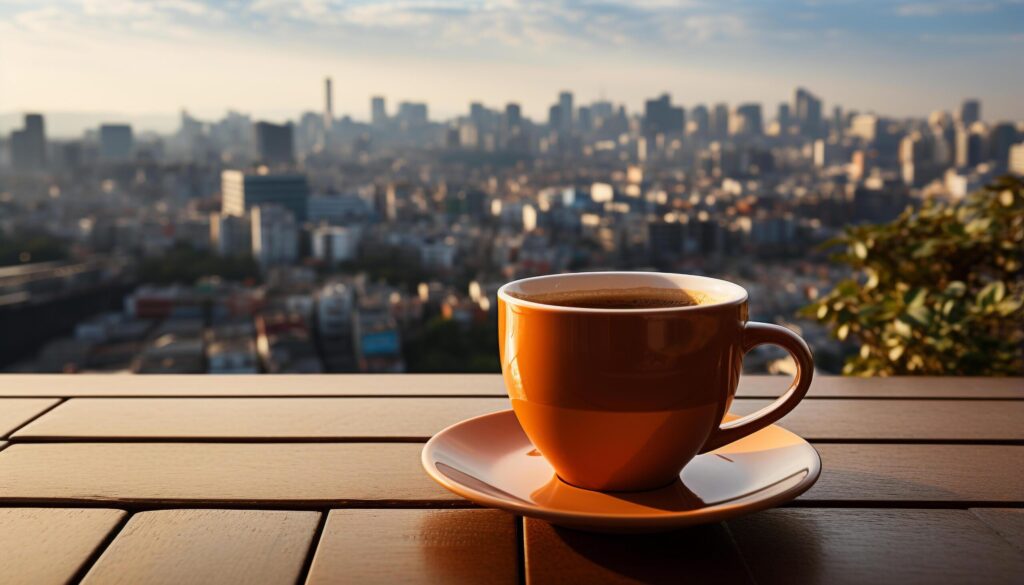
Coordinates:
[269,57]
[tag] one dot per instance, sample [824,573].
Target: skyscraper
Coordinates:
[116,142]
[555,117]
[750,122]
[837,120]
[378,110]
[566,107]
[969,147]
[28,145]
[807,108]
[328,104]
[784,119]
[700,121]
[513,115]
[275,143]
[970,112]
[412,114]
[720,121]
[1002,136]
[661,117]
[241,191]
[275,235]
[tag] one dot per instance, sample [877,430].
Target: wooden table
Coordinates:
[316,479]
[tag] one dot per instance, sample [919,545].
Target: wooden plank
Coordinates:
[303,474]
[912,420]
[919,473]
[417,546]
[894,387]
[412,419]
[295,474]
[247,547]
[840,546]
[86,385]
[42,546]
[273,418]
[14,412]
[1008,522]
[702,554]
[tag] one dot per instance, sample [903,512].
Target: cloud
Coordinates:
[940,8]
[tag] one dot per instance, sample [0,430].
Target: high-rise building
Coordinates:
[378,110]
[866,127]
[837,121]
[230,235]
[700,121]
[584,120]
[970,112]
[28,145]
[275,235]
[1000,139]
[807,108]
[566,107]
[720,121]
[748,120]
[116,142]
[1016,165]
[328,104]
[275,143]
[970,146]
[555,117]
[241,191]
[412,115]
[784,118]
[335,244]
[661,117]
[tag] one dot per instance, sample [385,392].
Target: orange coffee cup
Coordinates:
[623,399]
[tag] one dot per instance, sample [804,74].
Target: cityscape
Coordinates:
[335,244]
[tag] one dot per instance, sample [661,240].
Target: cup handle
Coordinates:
[755,334]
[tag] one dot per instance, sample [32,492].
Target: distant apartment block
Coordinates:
[275,235]
[275,143]
[28,145]
[242,191]
[116,142]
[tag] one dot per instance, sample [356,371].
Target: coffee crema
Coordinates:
[644,297]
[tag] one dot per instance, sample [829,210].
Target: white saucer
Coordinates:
[490,461]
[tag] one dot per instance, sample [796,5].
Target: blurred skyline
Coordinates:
[267,57]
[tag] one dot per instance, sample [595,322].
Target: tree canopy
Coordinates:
[937,291]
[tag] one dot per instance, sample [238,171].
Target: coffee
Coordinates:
[645,297]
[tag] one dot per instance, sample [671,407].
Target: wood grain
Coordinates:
[702,554]
[43,546]
[893,387]
[918,420]
[1008,522]
[273,418]
[14,412]
[919,473]
[417,546]
[244,547]
[299,474]
[845,546]
[85,385]
[411,418]
[294,474]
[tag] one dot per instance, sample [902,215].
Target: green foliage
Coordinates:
[24,247]
[184,264]
[446,346]
[393,265]
[937,291]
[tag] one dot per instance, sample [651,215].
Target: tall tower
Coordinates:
[328,104]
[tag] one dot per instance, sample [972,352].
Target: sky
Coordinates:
[269,57]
